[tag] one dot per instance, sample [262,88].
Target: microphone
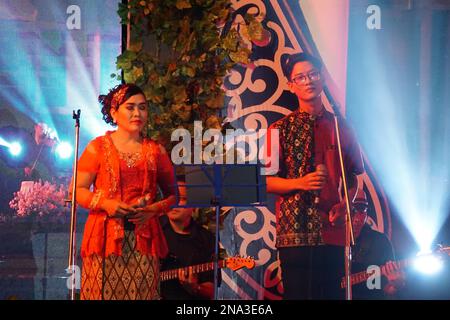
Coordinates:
[322,169]
[142,201]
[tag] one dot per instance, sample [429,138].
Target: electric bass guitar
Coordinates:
[233,263]
[364,275]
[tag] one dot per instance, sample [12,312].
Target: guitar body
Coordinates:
[335,235]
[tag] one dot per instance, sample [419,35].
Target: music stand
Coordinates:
[218,185]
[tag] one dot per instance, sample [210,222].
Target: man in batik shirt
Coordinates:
[309,185]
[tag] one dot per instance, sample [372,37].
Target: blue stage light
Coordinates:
[15,149]
[64,150]
[428,263]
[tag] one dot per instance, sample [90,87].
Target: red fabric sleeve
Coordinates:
[89,160]
[353,157]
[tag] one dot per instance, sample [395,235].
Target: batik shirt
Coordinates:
[304,142]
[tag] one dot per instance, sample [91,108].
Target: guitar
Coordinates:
[233,263]
[364,275]
[335,235]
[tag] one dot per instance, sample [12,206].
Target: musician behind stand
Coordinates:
[189,244]
[373,249]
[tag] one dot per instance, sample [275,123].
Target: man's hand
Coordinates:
[396,277]
[312,181]
[336,216]
[394,272]
[189,281]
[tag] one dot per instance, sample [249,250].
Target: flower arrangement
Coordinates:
[39,199]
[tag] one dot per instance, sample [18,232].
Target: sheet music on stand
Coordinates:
[221,185]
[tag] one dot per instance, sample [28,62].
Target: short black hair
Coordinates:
[293,59]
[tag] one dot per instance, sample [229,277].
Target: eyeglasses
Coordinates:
[301,78]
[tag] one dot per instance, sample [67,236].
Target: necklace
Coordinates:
[130,158]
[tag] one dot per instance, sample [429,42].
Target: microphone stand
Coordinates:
[349,237]
[73,217]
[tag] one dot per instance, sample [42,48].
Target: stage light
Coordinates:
[407,156]
[3,142]
[64,150]
[15,149]
[80,81]
[428,263]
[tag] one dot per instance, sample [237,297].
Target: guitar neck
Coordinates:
[198,268]
[364,275]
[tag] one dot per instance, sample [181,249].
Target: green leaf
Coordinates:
[188,71]
[240,56]
[125,60]
[255,30]
[137,73]
[183,4]
[230,42]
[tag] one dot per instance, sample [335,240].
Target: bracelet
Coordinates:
[96,201]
